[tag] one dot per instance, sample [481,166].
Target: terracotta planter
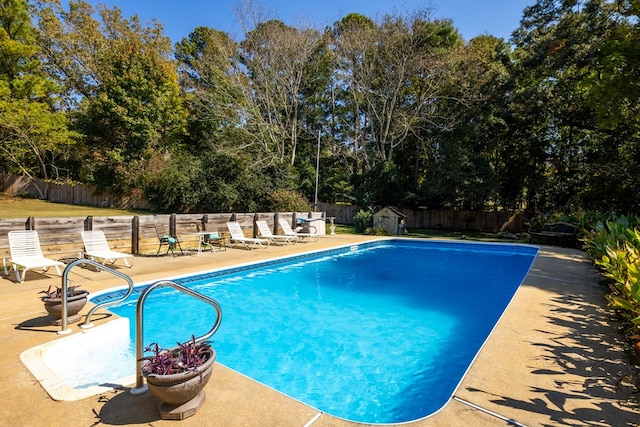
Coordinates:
[181,394]
[75,303]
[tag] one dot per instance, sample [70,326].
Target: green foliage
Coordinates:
[382,185]
[377,231]
[120,86]
[408,112]
[288,201]
[563,82]
[363,220]
[34,140]
[176,185]
[615,248]
[622,266]
[610,233]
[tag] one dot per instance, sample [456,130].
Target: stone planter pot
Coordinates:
[181,394]
[75,303]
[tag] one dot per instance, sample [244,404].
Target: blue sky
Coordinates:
[179,18]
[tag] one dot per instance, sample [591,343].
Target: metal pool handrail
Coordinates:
[140,386]
[65,285]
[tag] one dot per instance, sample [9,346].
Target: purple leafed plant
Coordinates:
[186,357]
[57,292]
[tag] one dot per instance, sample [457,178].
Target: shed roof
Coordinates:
[393,210]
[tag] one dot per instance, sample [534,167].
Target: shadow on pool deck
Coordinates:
[554,358]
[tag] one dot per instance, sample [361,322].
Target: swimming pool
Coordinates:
[379,333]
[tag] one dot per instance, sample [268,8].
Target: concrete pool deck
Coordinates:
[554,358]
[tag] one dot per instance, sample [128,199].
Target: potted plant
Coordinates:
[177,376]
[76,300]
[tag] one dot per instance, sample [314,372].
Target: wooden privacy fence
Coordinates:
[66,193]
[60,237]
[444,219]
[438,219]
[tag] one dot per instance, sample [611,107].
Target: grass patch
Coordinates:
[19,207]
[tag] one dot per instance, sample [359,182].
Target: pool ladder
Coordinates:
[140,386]
[64,321]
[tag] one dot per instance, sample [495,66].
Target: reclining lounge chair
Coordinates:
[26,253]
[288,231]
[237,236]
[97,248]
[265,232]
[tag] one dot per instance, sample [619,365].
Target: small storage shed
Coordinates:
[391,219]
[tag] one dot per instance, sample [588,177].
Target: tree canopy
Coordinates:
[404,111]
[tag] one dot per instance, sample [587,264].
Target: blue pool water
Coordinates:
[381,334]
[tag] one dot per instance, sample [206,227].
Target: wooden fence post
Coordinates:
[135,235]
[255,226]
[276,220]
[172,225]
[88,223]
[204,221]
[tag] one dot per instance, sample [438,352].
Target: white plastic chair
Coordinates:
[97,248]
[26,253]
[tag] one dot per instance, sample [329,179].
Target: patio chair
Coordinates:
[237,236]
[265,232]
[171,242]
[26,253]
[288,231]
[97,248]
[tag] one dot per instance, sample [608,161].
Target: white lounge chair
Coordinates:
[288,231]
[265,232]
[237,236]
[24,246]
[97,248]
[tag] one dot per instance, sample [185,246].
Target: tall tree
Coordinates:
[456,157]
[35,138]
[276,57]
[121,85]
[559,49]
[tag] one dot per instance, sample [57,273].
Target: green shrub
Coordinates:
[288,201]
[378,231]
[363,220]
[614,246]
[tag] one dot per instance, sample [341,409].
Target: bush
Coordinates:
[614,246]
[378,231]
[363,220]
[288,201]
